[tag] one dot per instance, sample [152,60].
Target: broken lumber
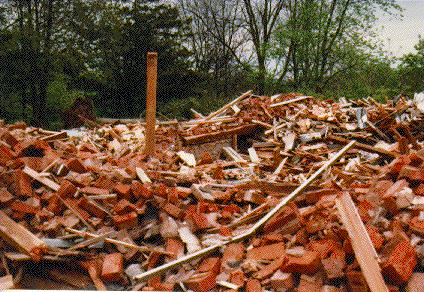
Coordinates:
[21,238]
[152,63]
[364,250]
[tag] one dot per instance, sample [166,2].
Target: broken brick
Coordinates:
[253,285]
[174,246]
[5,196]
[92,208]
[123,207]
[237,277]
[233,252]
[282,281]
[270,269]
[140,190]
[67,189]
[205,277]
[123,190]
[280,219]
[173,210]
[308,263]
[113,267]
[125,221]
[22,184]
[267,252]
[74,164]
[376,238]
[400,265]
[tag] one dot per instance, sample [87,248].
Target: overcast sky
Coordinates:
[400,35]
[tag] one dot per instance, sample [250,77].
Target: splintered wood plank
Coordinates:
[299,98]
[152,64]
[21,238]
[253,155]
[187,158]
[142,175]
[361,243]
[44,180]
[231,153]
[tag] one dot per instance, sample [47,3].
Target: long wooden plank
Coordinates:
[21,238]
[364,147]
[161,269]
[299,98]
[362,246]
[44,180]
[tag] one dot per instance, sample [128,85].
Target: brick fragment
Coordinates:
[412,173]
[5,196]
[267,252]
[128,220]
[237,277]
[67,189]
[74,164]
[417,226]
[22,184]
[173,210]
[376,238]
[94,191]
[140,190]
[197,221]
[356,281]
[333,267]
[5,155]
[24,208]
[123,207]
[123,190]
[205,277]
[280,219]
[92,208]
[310,283]
[174,246]
[113,266]
[308,263]
[7,137]
[234,252]
[253,285]
[270,269]
[282,281]
[205,158]
[398,268]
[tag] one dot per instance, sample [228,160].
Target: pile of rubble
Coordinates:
[277,193]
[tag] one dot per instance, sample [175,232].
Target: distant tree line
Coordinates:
[55,51]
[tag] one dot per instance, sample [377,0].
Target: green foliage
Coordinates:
[411,70]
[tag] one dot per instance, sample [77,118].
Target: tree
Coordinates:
[411,70]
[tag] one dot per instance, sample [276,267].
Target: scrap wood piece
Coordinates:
[44,180]
[187,158]
[161,269]
[299,98]
[225,107]
[201,195]
[142,175]
[361,243]
[220,135]
[91,241]
[233,154]
[118,242]
[55,136]
[253,155]
[21,238]
[364,147]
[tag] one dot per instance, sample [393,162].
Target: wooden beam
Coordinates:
[362,245]
[299,98]
[152,63]
[21,238]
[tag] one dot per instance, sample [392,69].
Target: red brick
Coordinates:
[267,252]
[74,204]
[183,192]
[94,191]
[23,185]
[417,226]
[205,158]
[333,267]
[5,196]
[324,247]
[8,138]
[233,252]
[282,281]
[161,190]
[129,220]
[419,191]
[104,182]
[67,189]
[113,266]
[140,190]
[253,285]
[270,269]
[205,277]
[396,165]
[376,238]
[364,208]
[173,210]
[309,284]
[92,208]
[225,231]
[412,173]
[123,190]
[356,281]
[237,277]
[55,205]
[123,207]
[280,219]
[174,246]
[5,155]
[400,265]
[308,263]
[24,208]
[74,164]
[197,221]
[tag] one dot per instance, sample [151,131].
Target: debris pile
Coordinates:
[306,195]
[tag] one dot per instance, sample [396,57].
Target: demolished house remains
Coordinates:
[287,192]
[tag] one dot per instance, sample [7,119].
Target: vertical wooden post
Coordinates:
[152,63]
